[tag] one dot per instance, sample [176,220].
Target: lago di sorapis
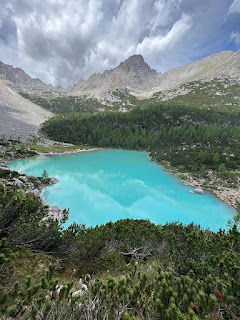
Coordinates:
[108,185]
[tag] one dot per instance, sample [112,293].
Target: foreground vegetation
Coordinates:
[130,269]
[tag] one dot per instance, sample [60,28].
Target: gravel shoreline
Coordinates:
[67,152]
[228,195]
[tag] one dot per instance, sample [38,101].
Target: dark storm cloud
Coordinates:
[62,41]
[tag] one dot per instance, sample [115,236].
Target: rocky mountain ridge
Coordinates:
[135,75]
[18,76]
[133,81]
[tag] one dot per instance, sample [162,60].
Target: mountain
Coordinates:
[134,78]
[225,64]
[214,80]
[133,74]
[17,76]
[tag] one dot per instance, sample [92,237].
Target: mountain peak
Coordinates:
[135,58]
[135,63]
[17,76]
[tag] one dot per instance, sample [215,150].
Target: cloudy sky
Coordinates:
[61,41]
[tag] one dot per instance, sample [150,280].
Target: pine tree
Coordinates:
[45,174]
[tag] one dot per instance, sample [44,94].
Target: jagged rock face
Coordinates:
[134,74]
[17,76]
[136,64]
[140,79]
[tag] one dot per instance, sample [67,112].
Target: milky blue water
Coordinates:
[108,185]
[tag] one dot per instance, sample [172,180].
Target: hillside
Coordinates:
[19,117]
[225,64]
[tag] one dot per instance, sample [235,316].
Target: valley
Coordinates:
[128,264]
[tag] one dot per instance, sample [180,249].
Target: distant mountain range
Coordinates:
[135,75]
[217,75]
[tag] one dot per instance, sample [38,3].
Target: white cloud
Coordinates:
[235,7]
[235,36]
[61,41]
[158,44]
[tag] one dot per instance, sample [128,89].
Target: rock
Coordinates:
[30,185]
[81,291]
[53,180]
[38,182]
[17,182]
[10,154]
[78,293]
[58,288]
[36,192]
[83,285]
[190,191]
[199,190]
[24,178]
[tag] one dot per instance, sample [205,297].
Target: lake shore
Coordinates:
[67,152]
[230,196]
[131,183]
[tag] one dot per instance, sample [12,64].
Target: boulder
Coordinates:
[17,182]
[53,180]
[30,185]
[199,190]
[36,192]
[24,178]
[77,293]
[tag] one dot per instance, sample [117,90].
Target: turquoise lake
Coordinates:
[108,185]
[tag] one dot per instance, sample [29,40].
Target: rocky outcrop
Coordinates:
[53,180]
[17,76]
[133,74]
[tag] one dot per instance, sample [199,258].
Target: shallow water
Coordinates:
[108,185]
